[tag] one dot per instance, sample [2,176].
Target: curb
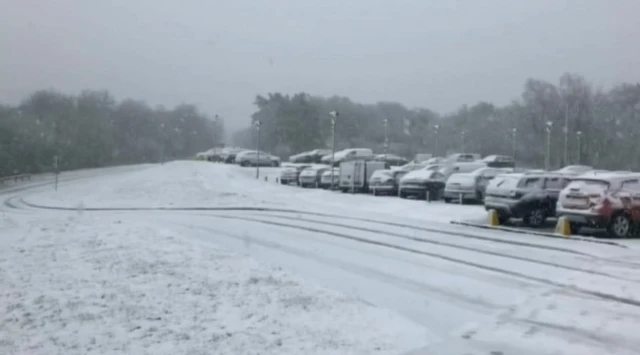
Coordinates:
[541,234]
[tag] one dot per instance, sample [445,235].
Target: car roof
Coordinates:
[608,176]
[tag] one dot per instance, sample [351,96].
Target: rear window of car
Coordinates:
[633,185]
[600,185]
[506,181]
[554,183]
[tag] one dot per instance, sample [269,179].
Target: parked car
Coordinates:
[471,186]
[499,161]
[229,155]
[384,182]
[465,167]
[532,197]
[463,157]
[420,182]
[391,159]
[605,200]
[255,158]
[311,176]
[574,169]
[313,156]
[355,174]
[325,179]
[347,154]
[291,174]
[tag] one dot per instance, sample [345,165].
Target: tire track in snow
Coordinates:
[598,294]
[453,245]
[478,304]
[284,210]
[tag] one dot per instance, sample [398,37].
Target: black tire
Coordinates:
[403,195]
[574,228]
[275,164]
[284,182]
[536,217]
[447,200]
[503,218]
[621,226]
[244,163]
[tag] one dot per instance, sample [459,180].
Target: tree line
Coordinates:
[603,126]
[93,129]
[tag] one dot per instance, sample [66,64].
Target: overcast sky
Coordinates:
[219,54]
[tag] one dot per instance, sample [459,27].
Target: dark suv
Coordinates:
[532,197]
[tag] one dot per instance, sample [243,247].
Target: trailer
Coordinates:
[355,174]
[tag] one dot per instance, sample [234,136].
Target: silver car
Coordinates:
[311,177]
[471,186]
[254,158]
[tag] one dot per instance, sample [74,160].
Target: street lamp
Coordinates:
[258,123]
[164,143]
[547,160]
[334,116]
[386,138]
[462,141]
[436,128]
[579,137]
[513,137]
[215,131]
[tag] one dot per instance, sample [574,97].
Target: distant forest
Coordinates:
[93,129]
[603,126]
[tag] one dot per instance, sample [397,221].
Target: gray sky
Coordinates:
[219,54]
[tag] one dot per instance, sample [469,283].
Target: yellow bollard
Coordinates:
[563,227]
[493,218]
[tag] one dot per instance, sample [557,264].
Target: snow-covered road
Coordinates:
[403,279]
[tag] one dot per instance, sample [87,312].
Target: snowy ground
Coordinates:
[313,272]
[84,285]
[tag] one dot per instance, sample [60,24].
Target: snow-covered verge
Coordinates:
[105,285]
[203,184]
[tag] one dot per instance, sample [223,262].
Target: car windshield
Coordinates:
[589,184]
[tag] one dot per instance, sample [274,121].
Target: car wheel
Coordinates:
[536,217]
[284,182]
[447,200]
[621,226]
[244,163]
[403,195]
[375,193]
[502,218]
[574,228]
[275,164]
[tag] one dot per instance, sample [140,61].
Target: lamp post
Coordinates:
[386,138]
[462,141]
[436,128]
[164,143]
[215,131]
[334,116]
[566,135]
[579,137]
[547,160]
[513,138]
[258,123]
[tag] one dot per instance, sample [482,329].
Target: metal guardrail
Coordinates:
[16,178]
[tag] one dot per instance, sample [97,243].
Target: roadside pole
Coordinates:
[56,167]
